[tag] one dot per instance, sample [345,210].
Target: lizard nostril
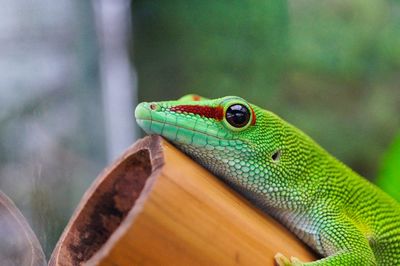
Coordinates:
[153,106]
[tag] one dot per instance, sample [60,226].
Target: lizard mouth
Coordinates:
[176,127]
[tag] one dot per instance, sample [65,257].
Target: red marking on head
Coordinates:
[196,98]
[205,111]
[253,120]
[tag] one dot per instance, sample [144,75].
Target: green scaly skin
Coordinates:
[343,217]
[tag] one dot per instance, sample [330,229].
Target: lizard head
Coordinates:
[252,149]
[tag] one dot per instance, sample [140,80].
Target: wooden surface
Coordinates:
[155,206]
[18,244]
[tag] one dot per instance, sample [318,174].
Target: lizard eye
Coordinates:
[237,115]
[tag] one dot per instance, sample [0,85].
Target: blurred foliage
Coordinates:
[332,68]
[389,174]
[211,47]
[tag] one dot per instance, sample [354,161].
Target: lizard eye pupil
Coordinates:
[237,115]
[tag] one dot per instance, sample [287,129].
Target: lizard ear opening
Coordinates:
[276,155]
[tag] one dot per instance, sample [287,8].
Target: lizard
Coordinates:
[342,216]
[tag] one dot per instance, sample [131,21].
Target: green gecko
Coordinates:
[339,214]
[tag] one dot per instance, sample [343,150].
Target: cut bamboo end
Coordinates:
[155,206]
[18,244]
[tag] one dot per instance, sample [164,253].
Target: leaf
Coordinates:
[389,175]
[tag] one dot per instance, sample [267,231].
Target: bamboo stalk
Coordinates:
[155,206]
[18,244]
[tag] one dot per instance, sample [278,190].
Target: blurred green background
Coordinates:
[332,68]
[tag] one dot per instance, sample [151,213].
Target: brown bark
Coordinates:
[18,244]
[155,206]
